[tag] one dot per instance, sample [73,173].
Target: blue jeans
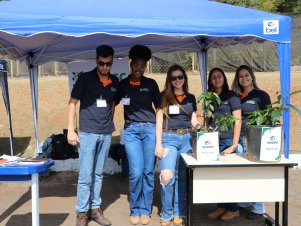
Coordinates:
[93,151]
[140,141]
[255,207]
[173,193]
[224,144]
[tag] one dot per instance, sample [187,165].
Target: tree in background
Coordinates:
[275,6]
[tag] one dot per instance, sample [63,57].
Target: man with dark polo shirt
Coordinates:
[95,90]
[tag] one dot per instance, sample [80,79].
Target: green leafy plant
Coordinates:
[210,101]
[226,122]
[272,114]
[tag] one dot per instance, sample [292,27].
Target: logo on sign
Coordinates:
[208,144]
[273,140]
[270,27]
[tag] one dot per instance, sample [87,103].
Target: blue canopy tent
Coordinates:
[39,31]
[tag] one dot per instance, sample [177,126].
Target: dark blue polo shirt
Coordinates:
[256,100]
[230,103]
[88,89]
[142,97]
[183,119]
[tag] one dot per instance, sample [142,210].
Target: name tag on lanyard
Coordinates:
[173,109]
[101,103]
[126,101]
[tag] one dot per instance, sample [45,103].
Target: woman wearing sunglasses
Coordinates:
[228,141]
[174,119]
[138,94]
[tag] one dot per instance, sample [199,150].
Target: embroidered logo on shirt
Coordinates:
[143,89]
[113,89]
[251,102]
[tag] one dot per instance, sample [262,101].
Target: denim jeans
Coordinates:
[173,193]
[255,207]
[140,141]
[93,151]
[224,144]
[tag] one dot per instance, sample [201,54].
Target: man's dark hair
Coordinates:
[104,51]
[140,51]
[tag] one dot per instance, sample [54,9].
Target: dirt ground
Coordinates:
[58,198]
[54,95]
[58,190]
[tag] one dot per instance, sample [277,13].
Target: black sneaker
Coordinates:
[253,216]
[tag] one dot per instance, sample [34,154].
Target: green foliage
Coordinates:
[272,114]
[275,6]
[226,122]
[210,102]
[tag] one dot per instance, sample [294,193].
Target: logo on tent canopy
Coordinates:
[270,27]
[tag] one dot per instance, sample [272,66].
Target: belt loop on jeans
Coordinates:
[180,131]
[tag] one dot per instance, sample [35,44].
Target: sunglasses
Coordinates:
[174,78]
[101,63]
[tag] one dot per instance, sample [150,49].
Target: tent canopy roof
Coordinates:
[69,30]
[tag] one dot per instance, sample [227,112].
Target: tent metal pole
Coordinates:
[7,104]
[202,55]
[9,115]
[284,56]
[33,76]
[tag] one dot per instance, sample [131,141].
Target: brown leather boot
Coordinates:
[229,216]
[81,219]
[98,217]
[217,213]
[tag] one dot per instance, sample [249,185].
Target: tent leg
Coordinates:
[284,56]
[33,76]
[4,85]
[202,55]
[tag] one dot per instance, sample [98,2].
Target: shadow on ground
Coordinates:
[20,144]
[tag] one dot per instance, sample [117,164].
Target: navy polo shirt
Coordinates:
[183,119]
[88,89]
[142,97]
[256,100]
[230,103]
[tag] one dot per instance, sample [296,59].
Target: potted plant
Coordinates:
[264,131]
[206,139]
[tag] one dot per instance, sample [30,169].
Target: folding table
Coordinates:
[242,181]
[25,174]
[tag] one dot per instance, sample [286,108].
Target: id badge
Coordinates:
[101,103]
[174,110]
[126,101]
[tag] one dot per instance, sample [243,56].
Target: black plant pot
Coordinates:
[262,143]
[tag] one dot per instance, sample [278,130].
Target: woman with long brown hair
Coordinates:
[174,120]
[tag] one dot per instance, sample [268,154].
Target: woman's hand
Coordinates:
[229,150]
[159,150]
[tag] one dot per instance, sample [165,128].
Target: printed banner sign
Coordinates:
[270,143]
[119,68]
[207,146]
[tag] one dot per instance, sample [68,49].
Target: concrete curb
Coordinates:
[112,166]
